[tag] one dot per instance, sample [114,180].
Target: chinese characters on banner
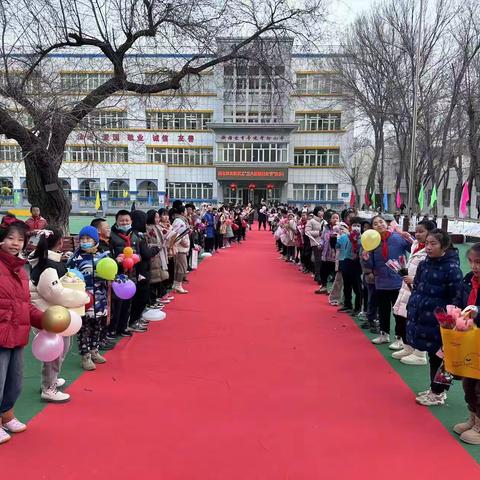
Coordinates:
[254,138]
[173,139]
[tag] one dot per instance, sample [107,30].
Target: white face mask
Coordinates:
[356,229]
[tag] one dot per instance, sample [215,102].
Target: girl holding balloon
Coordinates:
[17,314]
[383,246]
[46,290]
[85,260]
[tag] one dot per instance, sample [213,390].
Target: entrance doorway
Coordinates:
[259,194]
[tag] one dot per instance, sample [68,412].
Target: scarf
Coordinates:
[354,236]
[385,236]
[126,238]
[419,247]
[472,298]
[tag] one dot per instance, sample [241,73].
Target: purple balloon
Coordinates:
[124,290]
[47,346]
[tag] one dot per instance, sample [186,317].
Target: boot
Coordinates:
[464,426]
[96,357]
[472,436]
[87,363]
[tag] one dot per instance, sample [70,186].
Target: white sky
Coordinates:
[344,11]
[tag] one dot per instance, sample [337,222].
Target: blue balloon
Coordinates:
[77,273]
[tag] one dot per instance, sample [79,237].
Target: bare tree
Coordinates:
[31,32]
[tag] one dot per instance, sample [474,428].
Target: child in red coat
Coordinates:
[16,316]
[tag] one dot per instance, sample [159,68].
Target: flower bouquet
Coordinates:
[398,266]
[454,318]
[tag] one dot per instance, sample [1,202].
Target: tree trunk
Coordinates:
[45,189]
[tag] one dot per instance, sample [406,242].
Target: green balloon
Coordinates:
[107,269]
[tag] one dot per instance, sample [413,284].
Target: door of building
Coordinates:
[259,195]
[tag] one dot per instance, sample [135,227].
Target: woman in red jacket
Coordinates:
[16,316]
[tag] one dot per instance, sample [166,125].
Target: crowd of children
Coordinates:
[166,242]
[328,246]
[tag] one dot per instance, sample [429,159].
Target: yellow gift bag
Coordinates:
[462,352]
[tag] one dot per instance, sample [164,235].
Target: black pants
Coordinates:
[365,295]
[140,301]
[290,253]
[157,290]
[386,300]
[317,263]
[306,257]
[327,269]
[119,316]
[352,281]
[435,363]
[401,327]
[209,244]
[262,221]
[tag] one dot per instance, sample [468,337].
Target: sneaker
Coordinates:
[404,352]
[60,382]
[111,337]
[382,338]
[126,333]
[362,315]
[431,399]
[334,303]
[344,309]
[4,436]
[321,291]
[55,396]
[472,436]
[375,327]
[87,363]
[366,324]
[137,328]
[426,392]
[397,344]
[415,358]
[460,428]
[14,426]
[97,358]
[180,290]
[106,346]
[355,313]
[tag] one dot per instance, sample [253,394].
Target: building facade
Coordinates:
[243,131]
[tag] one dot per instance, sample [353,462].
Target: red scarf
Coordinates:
[419,247]
[472,298]
[354,236]
[126,238]
[385,236]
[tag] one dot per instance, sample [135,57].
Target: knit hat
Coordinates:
[91,232]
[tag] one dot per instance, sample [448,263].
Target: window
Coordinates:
[318,83]
[316,157]
[118,189]
[190,191]
[254,113]
[96,154]
[446,193]
[147,189]
[89,188]
[6,187]
[318,121]
[318,192]
[106,119]
[180,156]
[10,153]
[190,85]
[164,120]
[65,184]
[83,82]
[252,152]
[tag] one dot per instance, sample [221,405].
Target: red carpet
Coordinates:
[251,376]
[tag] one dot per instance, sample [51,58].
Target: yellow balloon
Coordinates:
[128,252]
[56,319]
[370,240]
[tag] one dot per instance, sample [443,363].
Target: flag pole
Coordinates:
[411,183]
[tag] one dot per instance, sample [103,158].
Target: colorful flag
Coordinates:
[385,201]
[374,200]
[16,199]
[98,203]
[398,199]
[433,198]
[464,200]
[421,198]
[353,198]
[367,198]
[125,193]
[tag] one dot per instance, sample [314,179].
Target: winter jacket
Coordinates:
[180,224]
[37,223]
[386,279]
[159,262]
[436,284]
[400,307]
[314,228]
[288,235]
[118,243]
[209,218]
[86,263]
[461,300]
[328,245]
[47,290]
[17,314]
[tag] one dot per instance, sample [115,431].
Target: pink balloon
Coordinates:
[47,346]
[136,258]
[75,325]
